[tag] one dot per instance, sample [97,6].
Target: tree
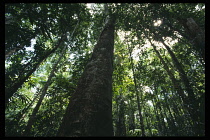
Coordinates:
[176,85]
[120,121]
[11,89]
[196,35]
[42,22]
[43,92]
[137,95]
[143,75]
[89,112]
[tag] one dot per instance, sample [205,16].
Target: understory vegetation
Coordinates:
[158,80]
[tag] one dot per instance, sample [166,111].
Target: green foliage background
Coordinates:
[163,110]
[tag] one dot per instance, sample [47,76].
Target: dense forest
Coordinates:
[104,69]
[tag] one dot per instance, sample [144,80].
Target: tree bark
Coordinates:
[89,112]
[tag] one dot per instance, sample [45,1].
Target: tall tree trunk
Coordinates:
[32,118]
[89,112]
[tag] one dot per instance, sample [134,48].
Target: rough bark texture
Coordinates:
[89,112]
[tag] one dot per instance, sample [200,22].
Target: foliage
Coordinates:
[36,33]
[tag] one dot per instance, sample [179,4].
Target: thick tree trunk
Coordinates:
[89,112]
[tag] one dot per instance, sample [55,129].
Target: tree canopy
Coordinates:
[158,80]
